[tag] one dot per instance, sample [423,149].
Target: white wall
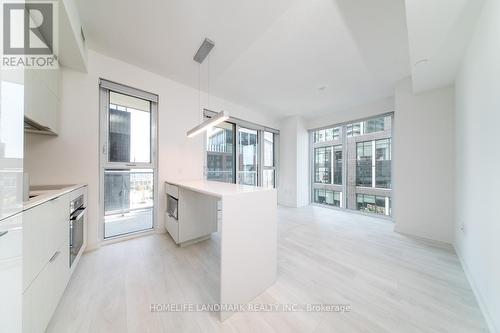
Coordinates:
[287,187]
[73,156]
[478,162]
[293,189]
[303,173]
[423,162]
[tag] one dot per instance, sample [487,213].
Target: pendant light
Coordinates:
[222,116]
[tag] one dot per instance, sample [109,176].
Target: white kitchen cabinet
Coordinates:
[11,252]
[41,100]
[46,261]
[72,45]
[42,296]
[45,229]
[172,226]
[189,207]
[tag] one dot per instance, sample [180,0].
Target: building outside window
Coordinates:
[373,204]
[327,135]
[352,162]
[269,169]
[364,159]
[383,163]
[337,170]
[242,154]
[323,165]
[328,197]
[220,153]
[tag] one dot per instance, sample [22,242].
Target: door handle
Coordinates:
[54,256]
[3,233]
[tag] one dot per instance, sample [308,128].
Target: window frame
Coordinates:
[346,138]
[105,87]
[237,124]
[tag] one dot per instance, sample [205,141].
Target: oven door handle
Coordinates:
[70,235]
[79,215]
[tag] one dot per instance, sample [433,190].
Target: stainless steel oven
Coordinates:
[76,224]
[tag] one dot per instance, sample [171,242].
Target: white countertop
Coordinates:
[48,192]
[217,189]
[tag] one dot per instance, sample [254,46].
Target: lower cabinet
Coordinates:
[11,271]
[42,296]
[46,227]
[46,260]
[172,226]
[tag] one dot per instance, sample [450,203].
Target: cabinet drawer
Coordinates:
[172,227]
[45,229]
[40,299]
[11,274]
[11,237]
[172,190]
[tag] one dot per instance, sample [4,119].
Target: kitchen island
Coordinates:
[246,219]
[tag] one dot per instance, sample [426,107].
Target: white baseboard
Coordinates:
[475,290]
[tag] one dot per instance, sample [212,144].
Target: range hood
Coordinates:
[31,126]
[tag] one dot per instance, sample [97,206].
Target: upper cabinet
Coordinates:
[42,98]
[72,46]
[41,101]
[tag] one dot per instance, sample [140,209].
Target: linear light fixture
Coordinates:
[204,50]
[219,118]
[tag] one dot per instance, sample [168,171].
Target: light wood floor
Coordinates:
[393,283]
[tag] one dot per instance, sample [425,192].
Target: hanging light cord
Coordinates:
[199,91]
[208,93]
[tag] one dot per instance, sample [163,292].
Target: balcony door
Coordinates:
[128,160]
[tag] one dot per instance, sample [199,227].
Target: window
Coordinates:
[269,172]
[374,125]
[364,164]
[220,153]
[327,135]
[328,197]
[373,204]
[366,127]
[350,160]
[322,165]
[129,129]
[374,171]
[247,156]
[337,170]
[383,163]
[128,168]
[241,154]
[353,129]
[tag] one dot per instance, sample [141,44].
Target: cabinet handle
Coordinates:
[3,233]
[54,256]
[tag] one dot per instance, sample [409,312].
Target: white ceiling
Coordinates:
[438,33]
[269,55]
